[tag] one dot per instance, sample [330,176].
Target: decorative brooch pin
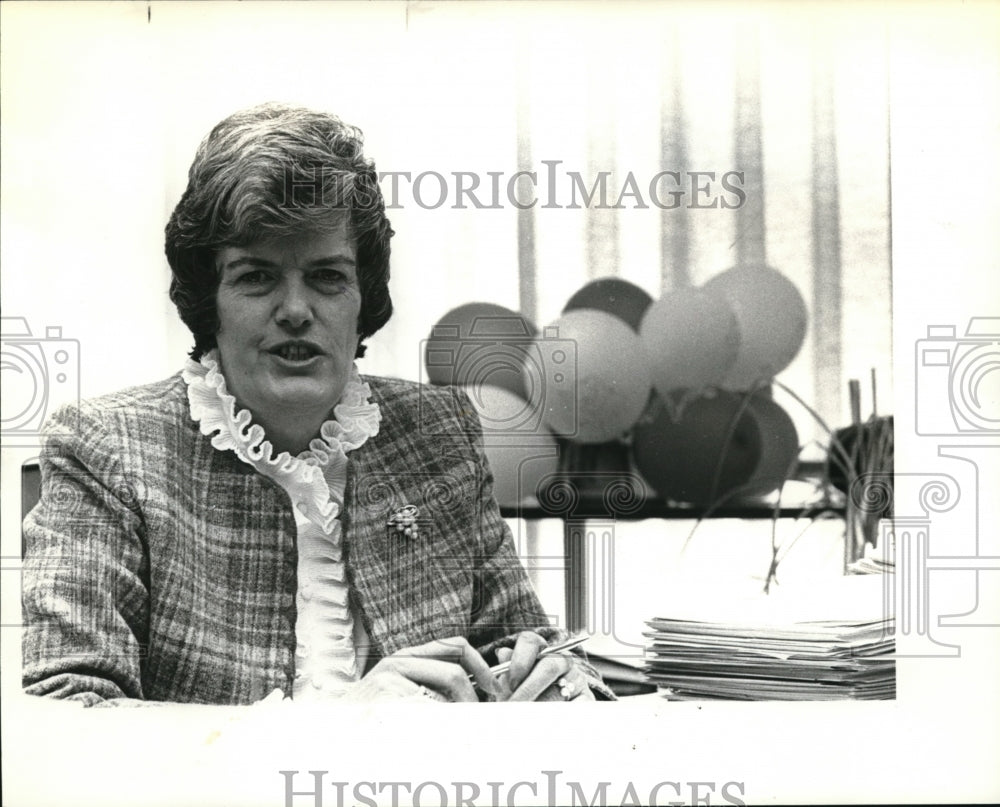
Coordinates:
[405,520]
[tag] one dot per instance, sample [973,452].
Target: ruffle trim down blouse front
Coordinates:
[329,640]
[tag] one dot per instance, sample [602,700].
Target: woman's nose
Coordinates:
[294,307]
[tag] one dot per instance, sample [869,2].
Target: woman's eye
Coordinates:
[255,277]
[329,276]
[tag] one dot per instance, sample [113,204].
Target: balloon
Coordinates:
[691,338]
[520,451]
[779,444]
[711,449]
[614,296]
[772,319]
[503,413]
[590,376]
[479,343]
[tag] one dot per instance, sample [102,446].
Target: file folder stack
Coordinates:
[830,643]
[877,560]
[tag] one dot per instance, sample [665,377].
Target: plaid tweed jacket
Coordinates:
[160,568]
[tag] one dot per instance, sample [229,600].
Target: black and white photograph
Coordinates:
[477,403]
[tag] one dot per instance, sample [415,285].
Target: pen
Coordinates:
[548,651]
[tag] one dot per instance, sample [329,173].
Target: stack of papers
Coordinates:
[876,560]
[829,643]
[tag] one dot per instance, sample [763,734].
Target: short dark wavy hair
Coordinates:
[266,172]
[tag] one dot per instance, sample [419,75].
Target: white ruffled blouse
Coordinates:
[331,644]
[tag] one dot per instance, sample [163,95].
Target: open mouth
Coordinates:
[295,351]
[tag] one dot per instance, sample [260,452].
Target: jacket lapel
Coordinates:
[410,590]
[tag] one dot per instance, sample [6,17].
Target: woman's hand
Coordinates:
[438,670]
[555,677]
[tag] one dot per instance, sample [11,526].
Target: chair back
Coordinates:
[31,489]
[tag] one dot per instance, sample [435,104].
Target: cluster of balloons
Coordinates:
[482,347]
[684,377]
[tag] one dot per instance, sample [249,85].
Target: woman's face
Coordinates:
[288,323]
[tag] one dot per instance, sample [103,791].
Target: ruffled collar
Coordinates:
[355,419]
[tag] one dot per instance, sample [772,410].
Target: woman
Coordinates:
[268,519]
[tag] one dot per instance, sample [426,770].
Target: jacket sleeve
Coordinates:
[506,603]
[85,598]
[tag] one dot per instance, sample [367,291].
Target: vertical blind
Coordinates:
[799,109]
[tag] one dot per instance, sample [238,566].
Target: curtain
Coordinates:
[798,109]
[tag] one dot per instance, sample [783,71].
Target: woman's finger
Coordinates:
[457,651]
[384,684]
[503,655]
[525,654]
[446,677]
[574,686]
[546,672]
